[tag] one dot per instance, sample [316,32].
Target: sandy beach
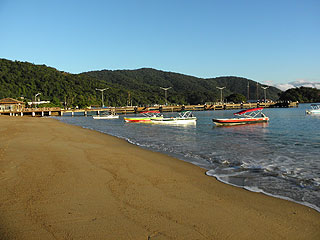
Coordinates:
[59,181]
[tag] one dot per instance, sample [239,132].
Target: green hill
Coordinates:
[302,95]
[25,79]
[184,89]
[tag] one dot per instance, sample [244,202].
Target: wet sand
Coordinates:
[63,182]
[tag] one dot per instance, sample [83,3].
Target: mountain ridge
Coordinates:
[141,85]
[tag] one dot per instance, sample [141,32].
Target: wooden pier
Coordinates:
[41,112]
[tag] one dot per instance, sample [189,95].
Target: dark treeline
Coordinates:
[302,95]
[139,87]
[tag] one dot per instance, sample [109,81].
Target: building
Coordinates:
[11,105]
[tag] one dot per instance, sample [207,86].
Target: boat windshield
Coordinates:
[185,114]
[315,106]
[150,113]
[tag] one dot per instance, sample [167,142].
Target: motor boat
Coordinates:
[315,109]
[253,115]
[106,116]
[185,117]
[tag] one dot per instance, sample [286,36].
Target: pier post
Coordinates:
[72,114]
[85,113]
[49,113]
[61,113]
[21,114]
[33,114]
[42,114]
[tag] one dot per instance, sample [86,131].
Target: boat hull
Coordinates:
[140,119]
[174,121]
[106,117]
[238,121]
[313,111]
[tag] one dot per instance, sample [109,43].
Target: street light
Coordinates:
[221,88]
[265,93]
[165,93]
[35,97]
[101,90]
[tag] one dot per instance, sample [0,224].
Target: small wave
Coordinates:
[255,189]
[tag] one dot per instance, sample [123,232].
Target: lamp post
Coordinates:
[165,93]
[265,93]
[101,90]
[221,88]
[35,98]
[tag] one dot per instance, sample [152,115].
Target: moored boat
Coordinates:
[146,117]
[253,115]
[106,116]
[185,117]
[315,109]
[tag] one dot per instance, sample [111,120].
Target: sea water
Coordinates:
[279,158]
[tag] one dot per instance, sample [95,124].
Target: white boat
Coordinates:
[106,116]
[315,109]
[253,115]
[183,118]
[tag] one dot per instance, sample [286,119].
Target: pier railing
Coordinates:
[56,111]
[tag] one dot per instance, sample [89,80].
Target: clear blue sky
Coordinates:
[274,41]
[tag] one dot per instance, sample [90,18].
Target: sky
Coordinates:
[274,42]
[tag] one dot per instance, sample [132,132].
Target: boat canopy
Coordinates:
[185,114]
[248,110]
[315,106]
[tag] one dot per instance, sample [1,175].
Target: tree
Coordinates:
[26,79]
[302,94]
[236,98]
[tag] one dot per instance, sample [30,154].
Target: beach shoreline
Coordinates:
[59,181]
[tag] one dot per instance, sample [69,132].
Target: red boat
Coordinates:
[253,115]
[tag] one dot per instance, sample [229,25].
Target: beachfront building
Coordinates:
[11,105]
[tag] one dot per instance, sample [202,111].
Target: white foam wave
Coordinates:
[258,190]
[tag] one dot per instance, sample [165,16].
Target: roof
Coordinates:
[9,101]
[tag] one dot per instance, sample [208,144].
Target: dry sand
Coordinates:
[63,182]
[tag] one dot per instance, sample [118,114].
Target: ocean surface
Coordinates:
[280,158]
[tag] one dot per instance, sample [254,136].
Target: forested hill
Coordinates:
[184,88]
[143,85]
